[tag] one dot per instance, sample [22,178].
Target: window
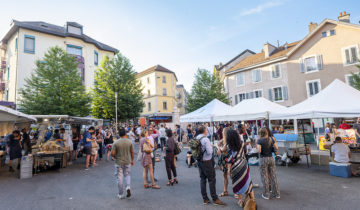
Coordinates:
[323,34]
[164,92]
[74,30]
[148,80]
[332,32]
[149,106]
[275,71]
[310,64]
[29,45]
[351,55]
[258,93]
[148,92]
[278,94]
[164,105]
[163,79]
[236,99]
[96,58]
[74,50]
[242,96]
[313,87]
[256,75]
[16,44]
[240,79]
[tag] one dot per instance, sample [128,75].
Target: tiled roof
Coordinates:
[236,57]
[259,58]
[55,30]
[155,68]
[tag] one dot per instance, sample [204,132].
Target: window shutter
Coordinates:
[254,76]
[302,66]
[347,56]
[271,95]
[236,99]
[273,69]
[251,94]
[247,95]
[319,62]
[285,93]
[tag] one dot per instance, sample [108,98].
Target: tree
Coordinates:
[55,87]
[206,87]
[355,79]
[116,75]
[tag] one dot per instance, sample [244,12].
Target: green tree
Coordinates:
[55,87]
[116,75]
[206,87]
[355,79]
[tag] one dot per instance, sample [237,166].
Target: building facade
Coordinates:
[181,98]
[159,93]
[28,41]
[291,73]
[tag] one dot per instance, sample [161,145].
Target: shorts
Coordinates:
[94,151]
[75,145]
[87,150]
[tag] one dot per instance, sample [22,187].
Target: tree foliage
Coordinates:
[355,79]
[116,75]
[206,87]
[55,87]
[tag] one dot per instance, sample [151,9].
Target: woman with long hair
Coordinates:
[240,171]
[146,160]
[169,157]
[223,164]
[266,146]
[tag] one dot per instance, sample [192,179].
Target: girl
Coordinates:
[146,160]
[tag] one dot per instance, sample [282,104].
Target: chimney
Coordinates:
[344,17]
[312,26]
[268,49]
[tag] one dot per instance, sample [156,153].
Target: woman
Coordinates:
[76,137]
[94,149]
[327,131]
[244,133]
[15,149]
[169,158]
[100,141]
[189,134]
[146,160]
[240,171]
[224,166]
[131,134]
[108,144]
[266,146]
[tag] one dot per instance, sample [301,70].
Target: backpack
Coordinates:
[196,149]
[177,148]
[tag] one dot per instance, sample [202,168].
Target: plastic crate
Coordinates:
[340,169]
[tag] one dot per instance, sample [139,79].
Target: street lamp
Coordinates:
[116,116]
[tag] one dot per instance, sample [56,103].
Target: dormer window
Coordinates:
[74,28]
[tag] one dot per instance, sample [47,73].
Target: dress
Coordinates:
[15,149]
[145,158]
[223,159]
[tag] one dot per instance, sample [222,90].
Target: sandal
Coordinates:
[171,182]
[223,194]
[241,203]
[176,181]
[155,186]
[147,186]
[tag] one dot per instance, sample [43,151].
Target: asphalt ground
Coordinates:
[75,188]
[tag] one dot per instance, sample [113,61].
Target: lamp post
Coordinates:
[116,115]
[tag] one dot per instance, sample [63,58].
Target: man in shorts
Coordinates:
[87,145]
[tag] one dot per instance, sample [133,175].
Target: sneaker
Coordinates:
[206,201]
[278,197]
[86,169]
[263,196]
[218,202]
[128,192]
[121,196]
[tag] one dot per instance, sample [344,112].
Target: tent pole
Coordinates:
[318,137]
[303,128]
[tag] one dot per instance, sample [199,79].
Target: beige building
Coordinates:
[159,93]
[290,73]
[181,98]
[28,41]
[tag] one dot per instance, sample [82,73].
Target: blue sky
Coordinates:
[182,35]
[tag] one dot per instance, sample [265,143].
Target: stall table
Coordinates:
[51,156]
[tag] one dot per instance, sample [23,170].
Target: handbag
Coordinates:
[94,144]
[250,204]
[147,148]
[177,149]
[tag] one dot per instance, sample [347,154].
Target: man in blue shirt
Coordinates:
[206,169]
[87,145]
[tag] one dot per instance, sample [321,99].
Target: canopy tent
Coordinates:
[10,115]
[205,113]
[336,100]
[251,109]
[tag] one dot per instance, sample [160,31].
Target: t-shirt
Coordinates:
[162,132]
[357,127]
[341,152]
[344,126]
[87,135]
[122,149]
[266,147]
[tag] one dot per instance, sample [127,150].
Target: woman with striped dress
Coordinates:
[240,171]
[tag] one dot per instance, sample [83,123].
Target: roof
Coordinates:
[259,58]
[236,57]
[55,30]
[155,68]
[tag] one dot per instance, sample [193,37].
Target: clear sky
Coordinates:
[182,35]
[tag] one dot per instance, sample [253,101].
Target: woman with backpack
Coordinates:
[169,157]
[240,171]
[266,146]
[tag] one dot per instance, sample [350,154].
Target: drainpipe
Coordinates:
[16,70]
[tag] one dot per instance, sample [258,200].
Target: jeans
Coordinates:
[162,141]
[170,165]
[268,176]
[100,152]
[120,173]
[207,171]
[153,163]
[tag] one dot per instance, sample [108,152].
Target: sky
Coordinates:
[182,35]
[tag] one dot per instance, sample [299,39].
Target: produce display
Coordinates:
[347,136]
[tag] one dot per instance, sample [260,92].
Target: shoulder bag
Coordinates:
[147,148]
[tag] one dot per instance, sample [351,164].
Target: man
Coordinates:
[356,127]
[207,170]
[340,152]
[123,153]
[152,137]
[75,139]
[208,131]
[344,125]
[162,136]
[87,145]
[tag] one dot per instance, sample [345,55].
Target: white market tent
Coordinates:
[251,109]
[205,113]
[336,100]
[10,115]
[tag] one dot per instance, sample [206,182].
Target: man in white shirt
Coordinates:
[162,136]
[340,153]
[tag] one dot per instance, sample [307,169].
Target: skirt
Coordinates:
[146,159]
[15,152]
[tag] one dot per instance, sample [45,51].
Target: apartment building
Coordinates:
[292,72]
[28,41]
[159,93]
[181,97]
